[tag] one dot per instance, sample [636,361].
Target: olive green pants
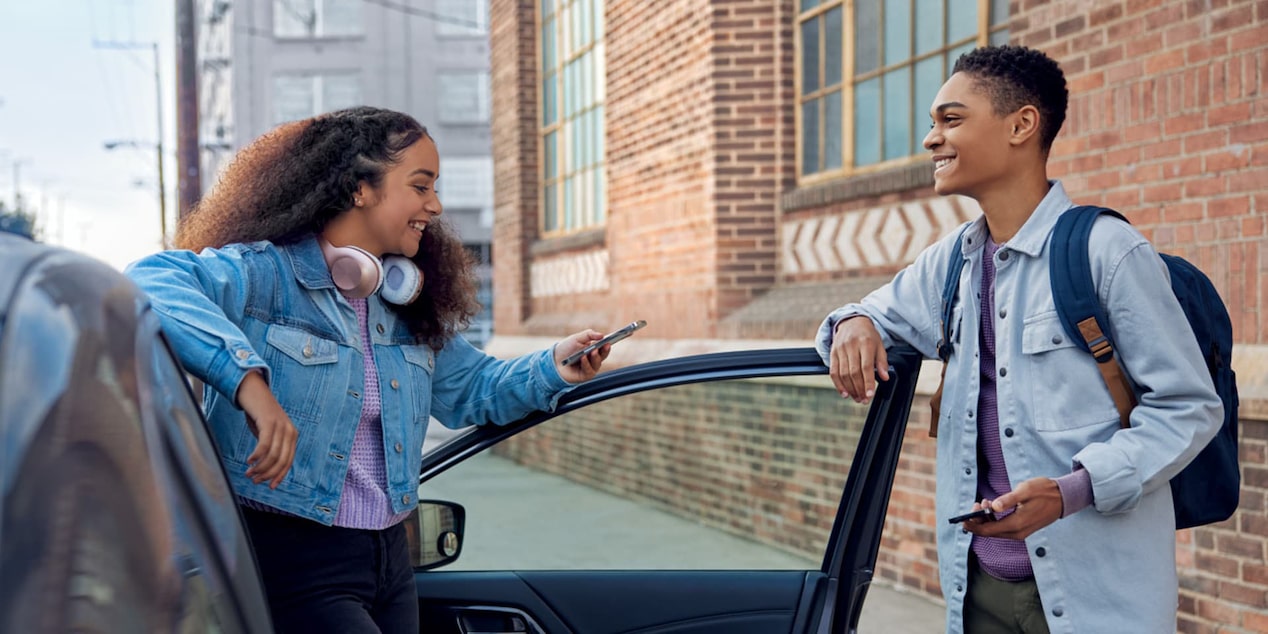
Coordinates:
[994,606]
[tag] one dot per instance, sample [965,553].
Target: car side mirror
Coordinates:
[434,533]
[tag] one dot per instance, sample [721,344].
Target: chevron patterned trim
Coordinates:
[569,274]
[881,236]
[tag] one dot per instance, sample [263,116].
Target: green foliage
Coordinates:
[19,221]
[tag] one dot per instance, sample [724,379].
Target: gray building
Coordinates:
[264,62]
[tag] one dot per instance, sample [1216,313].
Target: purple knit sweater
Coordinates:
[1000,557]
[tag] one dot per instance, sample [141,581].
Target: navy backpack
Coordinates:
[1207,489]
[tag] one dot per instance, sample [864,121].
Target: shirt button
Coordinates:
[1003,312]
[308,351]
[405,499]
[1040,552]
[396,385]
[1056,339]
[1009,432]
[1003,255]
[959,588]
[398,447]
[1058,612]
[431,362]
[379,328]
[243,354]
[968,471]
[1003,371]
[970,413]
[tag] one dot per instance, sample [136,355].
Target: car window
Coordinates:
[731,474]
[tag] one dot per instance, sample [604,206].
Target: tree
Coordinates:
[18,221]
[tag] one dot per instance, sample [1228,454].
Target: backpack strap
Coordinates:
[1078,304]
[950,292]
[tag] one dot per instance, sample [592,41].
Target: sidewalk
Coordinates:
[502,497]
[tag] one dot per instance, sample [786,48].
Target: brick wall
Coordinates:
[1169,124]
[513,59]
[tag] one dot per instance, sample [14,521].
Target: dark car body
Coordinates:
[116,515]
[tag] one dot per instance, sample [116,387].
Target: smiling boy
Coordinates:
[1084,539]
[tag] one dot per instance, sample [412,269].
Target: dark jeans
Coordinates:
[995,606]
[331,579]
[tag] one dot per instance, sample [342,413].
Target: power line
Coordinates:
[424,13]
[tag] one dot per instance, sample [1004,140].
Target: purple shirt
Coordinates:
[364,502]
[1001,557]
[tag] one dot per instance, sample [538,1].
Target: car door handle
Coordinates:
[482,619]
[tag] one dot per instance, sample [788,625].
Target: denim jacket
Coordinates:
[274,308]
[1109,568]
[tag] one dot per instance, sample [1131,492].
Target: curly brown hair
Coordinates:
[292,181]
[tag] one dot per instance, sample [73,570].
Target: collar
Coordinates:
[311,270]
[1033,235]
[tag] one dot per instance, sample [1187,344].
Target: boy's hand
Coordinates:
[276,436]
[1033,505]
[857,355]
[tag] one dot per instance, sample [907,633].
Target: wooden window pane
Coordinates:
[551,157]
[999,12]
[832,36]
[549,107]
[810,137]
[810,56]
[897,31]
[867,28]
[867,122]
[832,139]
[550,214]
[961,20]
[897,106]
[930,27]
[929,76]
[548,46]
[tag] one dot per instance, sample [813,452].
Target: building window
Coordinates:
[573,87]
[863,100]
[463,97]
[462,18]
[317,18]
[299,96]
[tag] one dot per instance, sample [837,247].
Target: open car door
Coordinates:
[733,492]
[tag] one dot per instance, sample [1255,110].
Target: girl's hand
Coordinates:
[588,366]
[276,435]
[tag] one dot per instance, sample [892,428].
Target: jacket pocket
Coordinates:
[1067,391]
[311,387]
[420,363]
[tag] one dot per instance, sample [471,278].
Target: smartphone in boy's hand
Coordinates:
[609,338]
[985,513]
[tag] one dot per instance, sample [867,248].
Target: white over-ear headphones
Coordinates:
[357,273]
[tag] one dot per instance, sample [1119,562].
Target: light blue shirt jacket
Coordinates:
[1109,568]
[274,308]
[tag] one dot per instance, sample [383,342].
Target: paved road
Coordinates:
[503,498]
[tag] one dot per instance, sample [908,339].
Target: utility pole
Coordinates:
[158,102]
[188,163]
[17,183]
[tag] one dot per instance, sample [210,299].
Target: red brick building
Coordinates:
[731,170]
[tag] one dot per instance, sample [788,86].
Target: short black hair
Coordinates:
[1014,76]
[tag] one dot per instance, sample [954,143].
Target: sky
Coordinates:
[63,97]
